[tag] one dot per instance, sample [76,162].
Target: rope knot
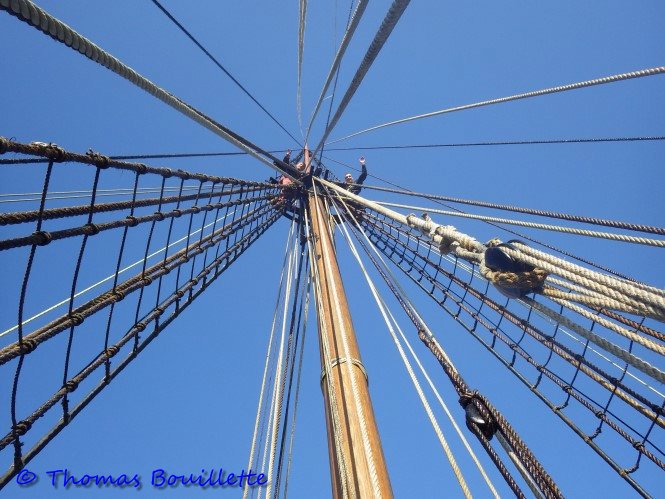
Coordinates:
[111,351]
[208,207]
[4,145]
[195,209]
[159,309]
[167,173]
[52,151]
[141,169]
[27,345]
[194,281]
[180,293]
[42,237]
[140,326]
[177,213]
[147,280]
[22,427]
[100,161]
[71,385]
[132,221]
[119,295]
[76,318]
[159,216]
[91,229]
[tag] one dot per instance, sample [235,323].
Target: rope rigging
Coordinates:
[220,66]
[28,12]
[352,24]
[249,209]
[581,341]
[393,15]
[534,93]
[404,256]
[529,211]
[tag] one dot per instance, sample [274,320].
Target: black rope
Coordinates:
[220,66]
[507,143]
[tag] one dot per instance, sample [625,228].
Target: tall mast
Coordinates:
[358,454]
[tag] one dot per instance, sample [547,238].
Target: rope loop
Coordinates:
[100,161]
[141,168]
[91,229]
[42,237]
[52,151]
[177,213]
[159,216]
[71,385]
[167,173]
[76,318]
[22,427]
[26,346]
[195,209]
[180,293]
[133,221]
[111,351]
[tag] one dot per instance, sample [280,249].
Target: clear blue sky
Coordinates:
[189,400]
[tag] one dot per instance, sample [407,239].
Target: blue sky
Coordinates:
[189,400]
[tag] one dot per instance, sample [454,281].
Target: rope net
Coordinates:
[595,393]
[614,407]
[157,251]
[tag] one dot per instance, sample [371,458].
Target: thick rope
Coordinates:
[267,362]
[389,22]
[28,12]
[301,50]
[562,88]
[348,34]
[660,243]
[529,211]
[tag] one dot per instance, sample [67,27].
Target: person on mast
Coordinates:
[355,186]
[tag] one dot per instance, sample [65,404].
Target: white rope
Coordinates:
[369,454]
[348,34]
[297,394]
[327,368]
[415,312]
[393,15]
[470,270]
[301,49]
[626,356]
[572,86]
[423,399]
[110,277]
[87,194]
[265,368]
[278,387]
[532,225]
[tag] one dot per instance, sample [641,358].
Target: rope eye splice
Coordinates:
[510,277]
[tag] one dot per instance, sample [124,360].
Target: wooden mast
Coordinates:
[335,326]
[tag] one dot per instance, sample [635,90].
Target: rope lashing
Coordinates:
[512,278]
